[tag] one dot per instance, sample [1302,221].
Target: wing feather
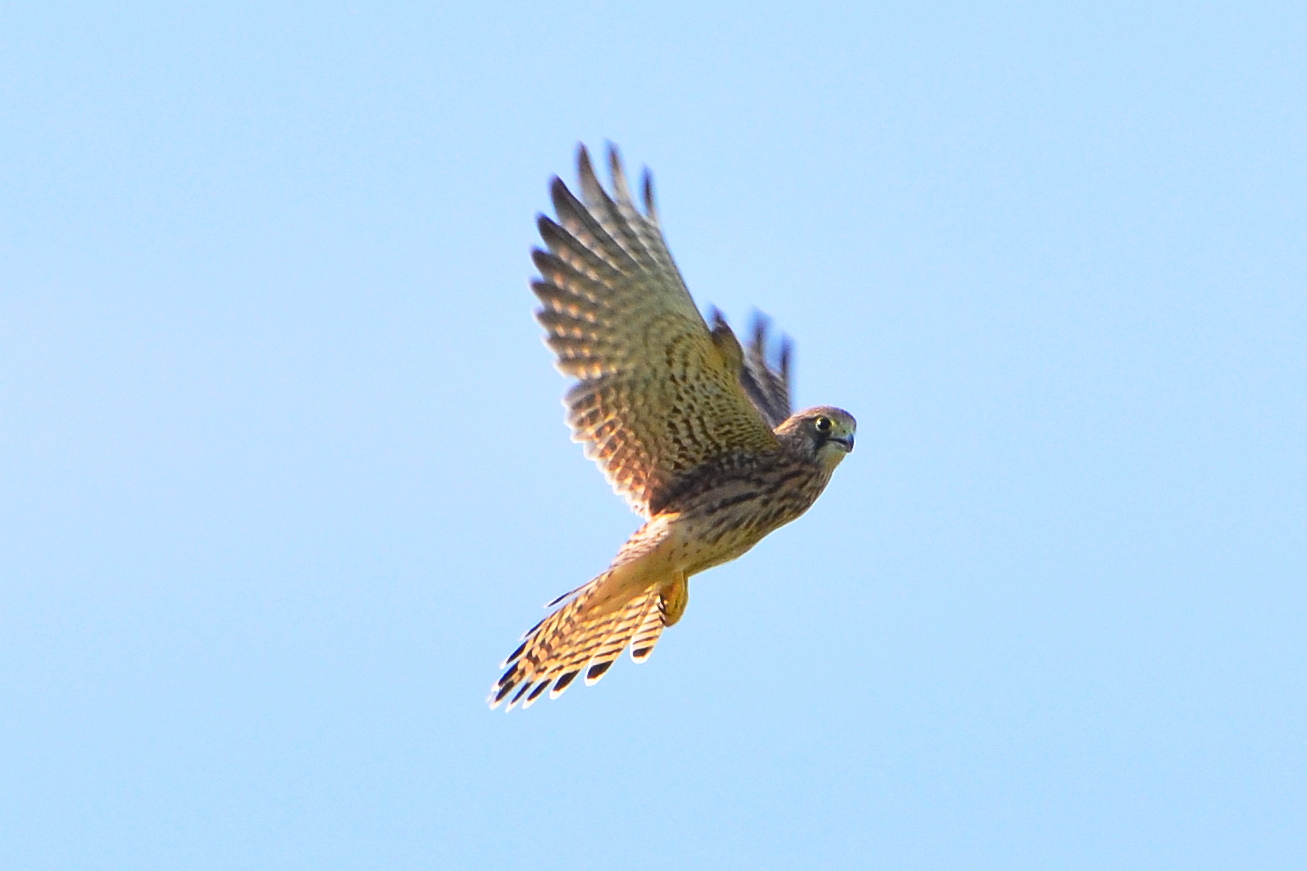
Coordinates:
[766,377]
[658,393]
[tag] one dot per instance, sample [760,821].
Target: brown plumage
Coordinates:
[695,431]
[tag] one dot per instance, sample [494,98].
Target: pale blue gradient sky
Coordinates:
[284,473]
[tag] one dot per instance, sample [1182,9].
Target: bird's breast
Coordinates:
[730,512]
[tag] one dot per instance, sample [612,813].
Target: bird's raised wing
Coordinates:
[766,378]
[659,394]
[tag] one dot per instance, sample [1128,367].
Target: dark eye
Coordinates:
[823,424]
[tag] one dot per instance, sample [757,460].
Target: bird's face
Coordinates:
[827,433]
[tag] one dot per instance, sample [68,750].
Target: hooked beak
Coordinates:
[846,444]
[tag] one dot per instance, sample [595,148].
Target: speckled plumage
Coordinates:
[691,428]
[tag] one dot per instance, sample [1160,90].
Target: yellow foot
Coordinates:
[673,599]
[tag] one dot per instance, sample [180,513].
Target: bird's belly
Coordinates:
[721,523]
[723,552]
[712,539]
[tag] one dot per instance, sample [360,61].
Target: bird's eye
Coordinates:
[823,424]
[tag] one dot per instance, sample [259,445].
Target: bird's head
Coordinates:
[824,434]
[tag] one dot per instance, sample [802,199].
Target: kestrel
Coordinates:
[695,431]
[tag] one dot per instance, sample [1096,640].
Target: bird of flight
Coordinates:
[693,429]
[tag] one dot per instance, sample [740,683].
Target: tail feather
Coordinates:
[650,629]
[609,645]
[580,637]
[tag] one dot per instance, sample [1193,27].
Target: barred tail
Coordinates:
[587,633]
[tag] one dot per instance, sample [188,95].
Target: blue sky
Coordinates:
[285,475]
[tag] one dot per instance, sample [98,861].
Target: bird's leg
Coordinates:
[673,598]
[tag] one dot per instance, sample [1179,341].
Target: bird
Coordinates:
[692,428]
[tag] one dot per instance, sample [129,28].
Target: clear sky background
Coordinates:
[284,476]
